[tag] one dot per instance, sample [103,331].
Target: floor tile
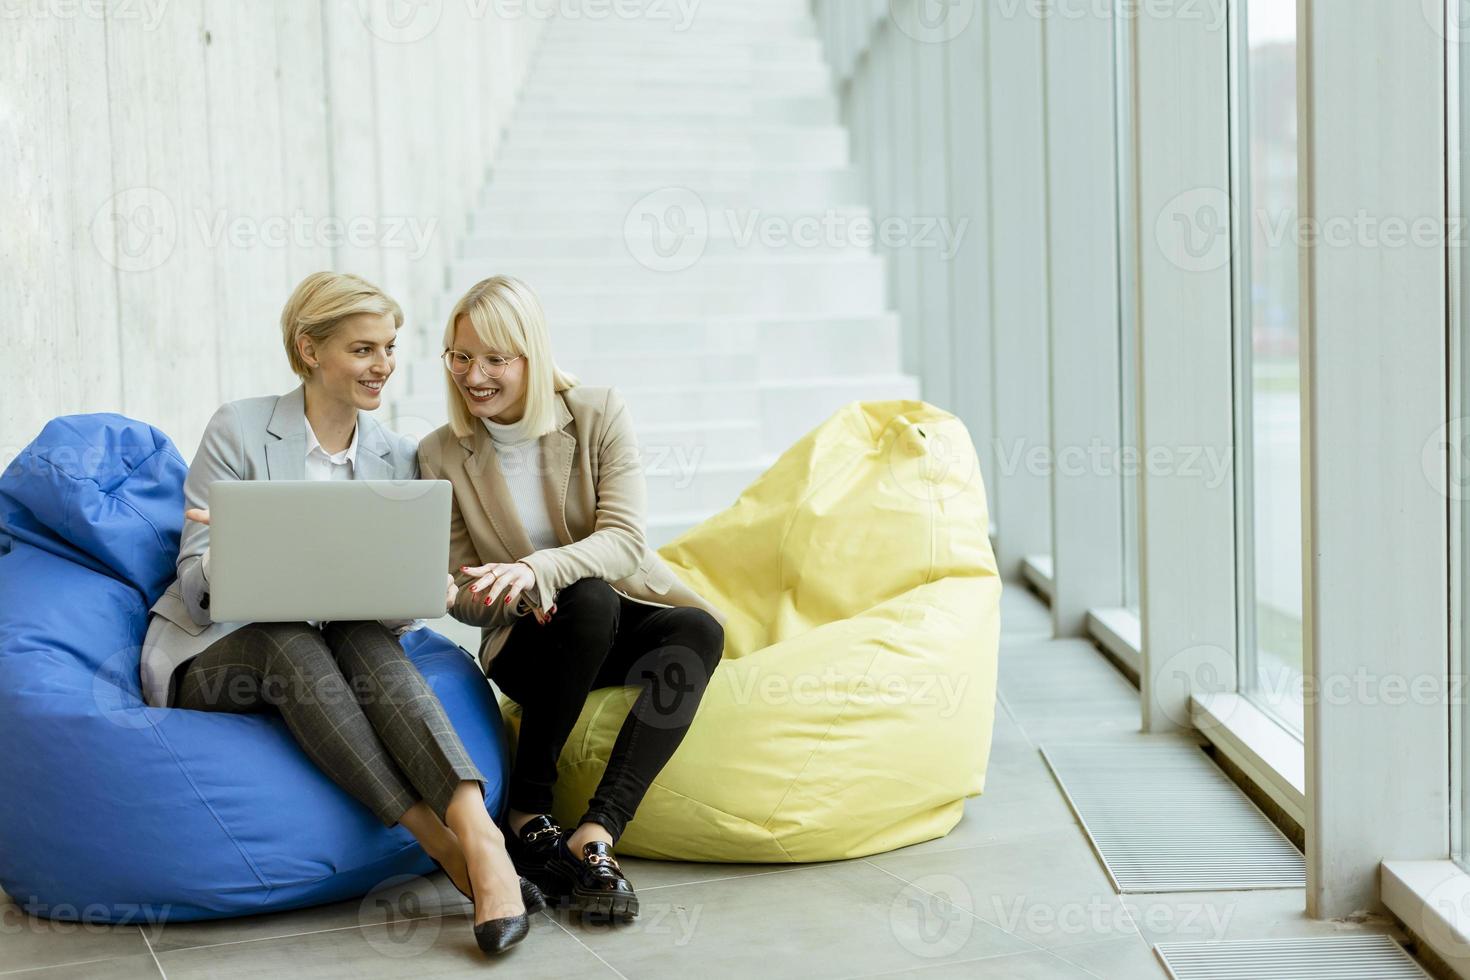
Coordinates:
[1115,959]
[1020,799]
[1022,614]
[832,921]
[1038,965]
[142,967]
[1267,913]
[437,946]
[28,942]
[396,899]
[1046,888]
[1061,669]
[649,875]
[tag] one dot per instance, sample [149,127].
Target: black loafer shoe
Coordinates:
[593,884]
[531,896]
[532,848]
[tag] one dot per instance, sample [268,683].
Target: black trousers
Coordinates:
[600,638]
[352,699]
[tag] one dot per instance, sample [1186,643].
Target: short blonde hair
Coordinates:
[319,305]
[508,318]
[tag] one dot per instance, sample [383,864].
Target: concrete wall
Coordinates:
[175,167]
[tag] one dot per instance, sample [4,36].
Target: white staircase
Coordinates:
[684,204]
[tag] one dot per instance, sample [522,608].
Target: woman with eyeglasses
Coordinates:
[348,693]
[548,549]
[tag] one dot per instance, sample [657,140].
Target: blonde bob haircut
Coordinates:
[319,306]
[508,319]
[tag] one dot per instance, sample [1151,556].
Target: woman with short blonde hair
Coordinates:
[548,547]
[349,695]
[320,304]
[506,315]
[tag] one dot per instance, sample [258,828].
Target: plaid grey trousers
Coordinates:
[352,699]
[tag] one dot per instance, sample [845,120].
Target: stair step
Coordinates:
[783,410]
[794,266]
[645,80]
[678,482]
[714,440]
[425,375]
[518,187]
[655,130]
[788,284]
[572,173]
[524,210]
[749,47]
[791,409]
[726,213]
[714,350]
[712,96]
[665,526]
[498,251]
[820,109]
[771,364]
[687,303]
[757,141]
[577,67]
[800,338]
[809,153]
[745,26]
[796,339]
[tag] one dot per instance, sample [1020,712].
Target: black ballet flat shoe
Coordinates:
[533,848]
[499,935]
[594,884]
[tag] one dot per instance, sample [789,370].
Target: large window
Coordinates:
[1458,173]
[1267,378]
[1127,298]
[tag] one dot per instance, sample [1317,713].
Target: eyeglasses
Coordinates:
[458,363]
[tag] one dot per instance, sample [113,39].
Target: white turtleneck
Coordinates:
[519,458]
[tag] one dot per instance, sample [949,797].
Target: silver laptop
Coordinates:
[287,550]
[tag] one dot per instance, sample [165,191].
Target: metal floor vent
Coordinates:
[1164,818]
[1329,958]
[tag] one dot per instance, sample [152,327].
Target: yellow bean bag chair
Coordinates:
[852,712]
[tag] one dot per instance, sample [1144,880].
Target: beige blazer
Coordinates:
[596,497]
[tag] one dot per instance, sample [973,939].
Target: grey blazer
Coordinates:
[251,439]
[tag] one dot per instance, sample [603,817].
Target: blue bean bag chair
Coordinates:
[112,811]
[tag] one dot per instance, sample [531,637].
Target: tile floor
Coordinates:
[1013,892]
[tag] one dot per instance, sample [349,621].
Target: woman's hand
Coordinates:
[511,577]
[197,514]
[451,595]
